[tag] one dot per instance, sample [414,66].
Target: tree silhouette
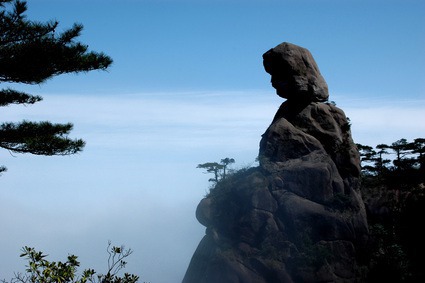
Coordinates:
[394,198]
[32,52]
[218,169]
[41,270]
[418,147]
[368,157]
[214,168]
[408,164]
[402,149]
[225,162]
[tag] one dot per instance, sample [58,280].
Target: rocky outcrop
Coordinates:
[295,74]
[299,215]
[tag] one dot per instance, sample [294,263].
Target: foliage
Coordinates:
[389,262]
[396,243]
[40,270]
[226,190]
[407,166]
[392,186]
[220,170]
[310,254]
[32,52]
[345,128]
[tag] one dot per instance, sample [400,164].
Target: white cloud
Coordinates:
[376,121]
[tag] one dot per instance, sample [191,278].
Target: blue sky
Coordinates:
[187,86]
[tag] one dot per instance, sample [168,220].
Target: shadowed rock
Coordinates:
[294,73]
[299,216]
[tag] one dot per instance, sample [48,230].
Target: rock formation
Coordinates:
[299,215]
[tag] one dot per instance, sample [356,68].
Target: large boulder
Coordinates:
[294,73]
[298,216]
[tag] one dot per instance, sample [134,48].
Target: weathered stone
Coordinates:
[203,212]
[283,142]
[325,122]
[299,216]
[294,73]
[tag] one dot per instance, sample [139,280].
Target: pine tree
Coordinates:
[368,158]
[32,52]
[220,170]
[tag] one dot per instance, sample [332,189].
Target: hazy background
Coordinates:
[187,86]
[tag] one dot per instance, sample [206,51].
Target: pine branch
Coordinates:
[43,138]
[32,52]
[10,96]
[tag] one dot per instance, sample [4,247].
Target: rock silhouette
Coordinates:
[295,74]
[299,215]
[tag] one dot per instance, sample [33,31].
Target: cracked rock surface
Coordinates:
[298,216]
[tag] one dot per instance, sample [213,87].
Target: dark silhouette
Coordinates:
[299,215]
[31,53]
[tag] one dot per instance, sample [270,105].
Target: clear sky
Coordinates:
[187,86]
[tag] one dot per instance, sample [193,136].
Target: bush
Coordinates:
[40,270]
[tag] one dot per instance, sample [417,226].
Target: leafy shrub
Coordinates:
[40,270]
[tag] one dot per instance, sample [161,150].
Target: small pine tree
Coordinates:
[220,170]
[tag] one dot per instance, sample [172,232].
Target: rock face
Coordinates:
[295,74]
[299,215]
